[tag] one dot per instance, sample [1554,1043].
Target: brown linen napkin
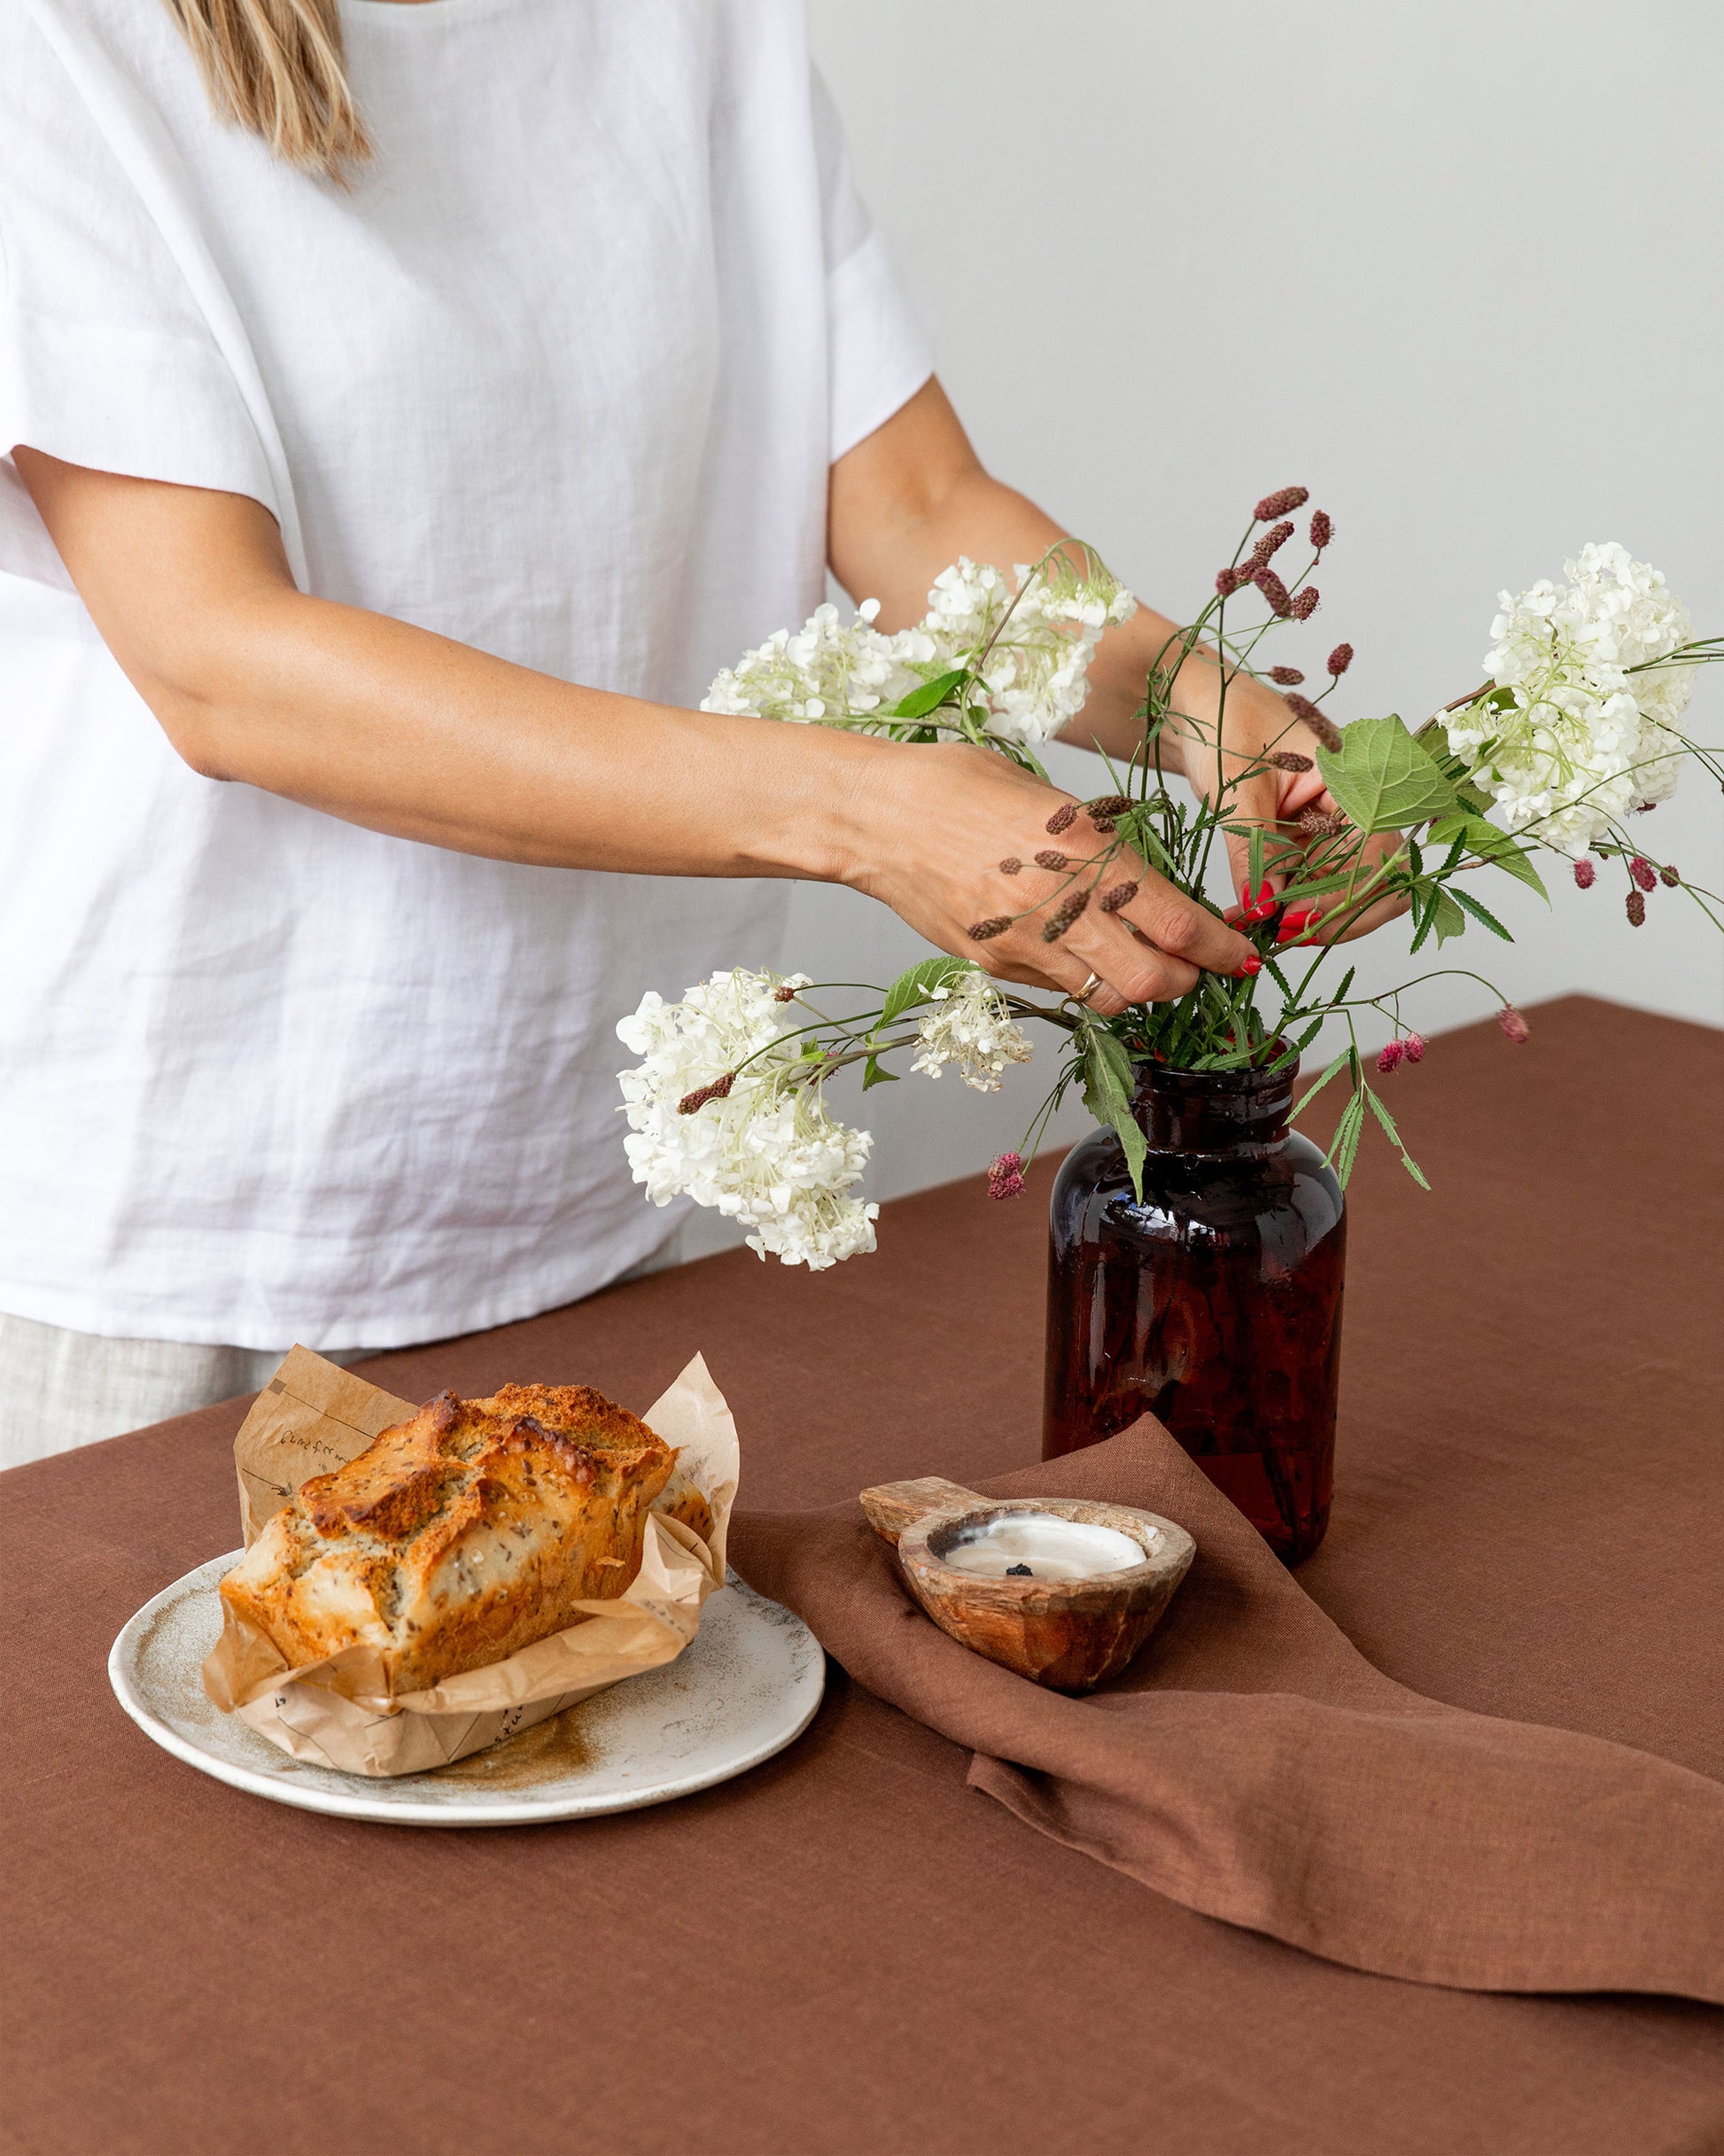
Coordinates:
[1253,1765]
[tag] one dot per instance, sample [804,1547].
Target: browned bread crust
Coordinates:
[460,1537]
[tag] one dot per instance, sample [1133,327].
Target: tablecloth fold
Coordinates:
[1253,1765]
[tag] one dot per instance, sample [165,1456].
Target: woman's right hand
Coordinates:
[930,828]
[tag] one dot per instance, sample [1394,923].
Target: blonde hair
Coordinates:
[276,66]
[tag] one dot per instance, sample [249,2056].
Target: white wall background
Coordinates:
[1456,269]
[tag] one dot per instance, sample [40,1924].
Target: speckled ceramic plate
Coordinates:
[747,1685]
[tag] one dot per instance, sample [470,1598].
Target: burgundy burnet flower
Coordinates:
[1050,857]
[1280,600]
[1006,1176]
[1328,734]
[1585,875]
[1323,529]
[1062,819]
[1288,677]
[1339,659]
[1636,909]
[1514,1025]
[1063,916]
[1269,545]
[786,994]
[1668,876]
[1230,580]
[1414,1044]
[1011,866]
[1289,759]
[1307,604]
[1391,1056]
[691,1103]
[1644,873]
[1281,503]
[984,931]
[1122,894]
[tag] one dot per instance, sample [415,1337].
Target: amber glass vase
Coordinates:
[1214,1302]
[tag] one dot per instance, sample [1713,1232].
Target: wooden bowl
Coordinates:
[1068,1635]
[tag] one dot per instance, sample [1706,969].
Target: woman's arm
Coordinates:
[402,731]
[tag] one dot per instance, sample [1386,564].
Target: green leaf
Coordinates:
[1345,1150]
[1479,912]
[1492,844]
[1314,887]
[1109,1084]
[1387,1122]
[873,1074]
[918,983]
[1382,779]
[1318,1088]
[1447,918]
[1255,858]
[1108,1078]
[1135,1148]
[1297,1049]
[1425,913]
[1139,832]
[929,696]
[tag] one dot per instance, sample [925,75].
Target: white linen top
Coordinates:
[561,377]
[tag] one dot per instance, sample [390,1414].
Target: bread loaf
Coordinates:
[460,1536]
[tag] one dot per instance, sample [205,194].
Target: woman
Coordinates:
[411,405]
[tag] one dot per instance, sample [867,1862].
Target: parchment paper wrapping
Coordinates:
[313,1417]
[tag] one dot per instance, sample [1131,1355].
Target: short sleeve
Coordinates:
[105,358]
[878,356]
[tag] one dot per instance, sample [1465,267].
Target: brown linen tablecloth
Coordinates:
[1530,1508]
[1252,1765]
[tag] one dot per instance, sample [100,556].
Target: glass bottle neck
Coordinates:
[1213,1111]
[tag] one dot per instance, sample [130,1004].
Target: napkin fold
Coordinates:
[1253,1765]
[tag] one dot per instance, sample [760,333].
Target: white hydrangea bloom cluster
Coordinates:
[764,1151]
[971,1028]
[824,670]
[1035,678]
[1585,740]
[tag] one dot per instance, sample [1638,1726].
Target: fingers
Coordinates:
[1129,968]
[1182,928]
[1062,974]
[1076,968]
[1254,800]
[1338,918]
[1132,970]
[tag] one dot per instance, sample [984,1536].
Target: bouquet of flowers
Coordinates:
[1575,729]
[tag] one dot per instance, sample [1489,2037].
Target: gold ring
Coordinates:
[1088,989]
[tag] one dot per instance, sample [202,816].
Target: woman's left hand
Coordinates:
[1255,725]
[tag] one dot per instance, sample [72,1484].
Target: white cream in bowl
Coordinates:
[1051,1547]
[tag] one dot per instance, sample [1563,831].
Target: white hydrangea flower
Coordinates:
[970,1026]
[1035,677]
[762,1149]
[1585,741]
[823,670]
